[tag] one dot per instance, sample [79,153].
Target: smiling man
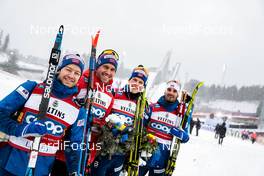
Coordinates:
[106,67]
[163,120]
[61,120]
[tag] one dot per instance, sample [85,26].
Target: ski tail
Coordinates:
[53,63]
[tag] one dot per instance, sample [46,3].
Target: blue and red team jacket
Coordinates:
[160,118]
[63,119]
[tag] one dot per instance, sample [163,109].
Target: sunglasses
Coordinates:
[110,52]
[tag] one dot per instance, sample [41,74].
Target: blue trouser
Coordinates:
[102,166]
[157,163]
[143,170]
[5,173]
[15,161]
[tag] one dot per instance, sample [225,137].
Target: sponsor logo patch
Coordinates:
[80,122]
[23,92]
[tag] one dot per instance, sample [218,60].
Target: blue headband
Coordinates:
[71,59]
[139,74]
[107,59]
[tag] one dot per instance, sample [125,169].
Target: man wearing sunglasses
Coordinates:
[117,134]
[106,67]
[163,122]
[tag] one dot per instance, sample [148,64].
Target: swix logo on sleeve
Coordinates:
[23,92]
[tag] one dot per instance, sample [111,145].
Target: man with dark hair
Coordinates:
[163,122]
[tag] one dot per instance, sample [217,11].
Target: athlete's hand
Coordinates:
[36,128]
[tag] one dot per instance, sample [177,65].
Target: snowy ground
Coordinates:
[202,156]
[8,82]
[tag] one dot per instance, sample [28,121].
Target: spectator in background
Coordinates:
[192,123]
[222,133]
[198,126]
[245,135]
[216,131]
[253,137]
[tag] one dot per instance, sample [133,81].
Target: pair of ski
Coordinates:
[138,127]
[175,146]
[53,64]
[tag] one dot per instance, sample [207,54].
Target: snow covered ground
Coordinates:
[3,57]
[8,83]
[202,156]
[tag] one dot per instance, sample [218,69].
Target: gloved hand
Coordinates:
[180,134]
[36,128]
[117,121]
[124,138]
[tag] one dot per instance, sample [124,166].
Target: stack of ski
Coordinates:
[175,147]
[137,137]
[53,63]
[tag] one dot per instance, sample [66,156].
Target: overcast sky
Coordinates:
[203,34]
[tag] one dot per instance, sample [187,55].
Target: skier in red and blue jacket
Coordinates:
[118,132]
[163,121]
[63,119]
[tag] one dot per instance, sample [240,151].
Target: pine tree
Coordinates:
[11,66]
[1,36]
[259,108]
[6,43]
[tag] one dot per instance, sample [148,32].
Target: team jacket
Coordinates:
[101,106]
[103,98]
[125,107]
[162,117]
[62,117]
